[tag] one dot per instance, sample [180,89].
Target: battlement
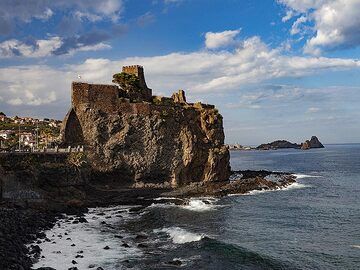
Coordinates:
[134,69]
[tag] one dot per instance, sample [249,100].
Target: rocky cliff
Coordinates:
[312,143]
[144,140]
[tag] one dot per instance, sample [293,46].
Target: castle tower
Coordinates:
[138,71]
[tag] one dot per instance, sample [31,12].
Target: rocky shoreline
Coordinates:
[22,225]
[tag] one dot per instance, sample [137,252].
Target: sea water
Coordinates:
[312,224]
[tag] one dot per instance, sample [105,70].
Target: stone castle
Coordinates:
[146,139]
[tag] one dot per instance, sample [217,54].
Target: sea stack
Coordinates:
[312,143]
[143,140]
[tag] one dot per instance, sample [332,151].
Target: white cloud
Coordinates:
[336,22]
[296,27]
[33,85]
[252,62]
[27,10]
[42,47]
[220,39]
[88,16]
[45,15]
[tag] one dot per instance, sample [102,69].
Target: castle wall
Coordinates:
[99,96]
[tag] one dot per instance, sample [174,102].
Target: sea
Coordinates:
[312,224]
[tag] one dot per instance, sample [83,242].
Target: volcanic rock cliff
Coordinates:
[144,140]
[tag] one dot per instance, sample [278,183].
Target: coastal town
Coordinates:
[27,133]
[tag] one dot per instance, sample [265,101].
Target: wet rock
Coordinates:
[82,220]
[74,262]
[73,268]
[107,247]
[175,262]
[99,268]
[40,235]
[140,237]
[80,251]
[125,245]
[92,265]
[79,256]
[73,245]
[136,209]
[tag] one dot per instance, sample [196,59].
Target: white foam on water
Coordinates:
[166,198]
[89,237]
[301,176]
[181,236]
[201,204]
[294,185]
[161,205]
[355,246]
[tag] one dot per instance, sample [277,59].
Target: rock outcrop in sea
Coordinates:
[143,140]
[312,143]
[282,144]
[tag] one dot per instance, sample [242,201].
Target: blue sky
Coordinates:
[276,69]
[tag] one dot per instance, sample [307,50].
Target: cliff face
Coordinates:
[160,142]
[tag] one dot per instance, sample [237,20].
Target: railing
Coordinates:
[54,150]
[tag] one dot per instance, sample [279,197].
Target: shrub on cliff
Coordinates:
[77,159]
[126,80]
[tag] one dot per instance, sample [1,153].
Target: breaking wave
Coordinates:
[200,205]
[181,236]
[301,176]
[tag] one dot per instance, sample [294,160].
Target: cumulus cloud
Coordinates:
[253,62]
[220,39]
[89,41]
[336,23]
[38,48]
[52,46]
[25,11]
[32,85]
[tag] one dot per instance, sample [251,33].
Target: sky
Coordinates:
[275,69]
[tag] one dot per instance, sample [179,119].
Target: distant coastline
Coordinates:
[280,144]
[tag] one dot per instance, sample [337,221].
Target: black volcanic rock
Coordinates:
[280,144]
[283,144]
[312,143]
